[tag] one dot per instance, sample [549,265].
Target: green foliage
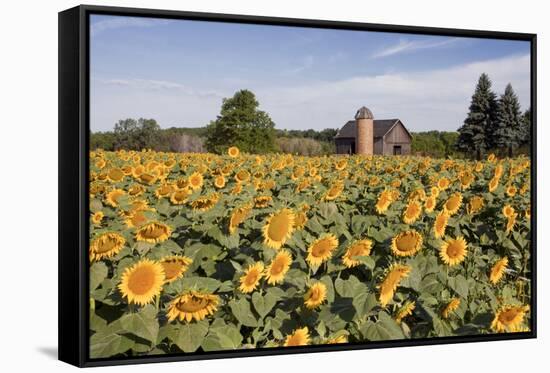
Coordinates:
[475,133]
[241,124]
[435,144]
[508,129]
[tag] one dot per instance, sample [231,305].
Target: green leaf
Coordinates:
[263,304]
[109,344]
[95,205]
[143,324]
[460,285]
[384,329]
[242,312]
[199,283]
[225,337]
[189,336]
[98,272]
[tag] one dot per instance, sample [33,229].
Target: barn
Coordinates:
[366,135]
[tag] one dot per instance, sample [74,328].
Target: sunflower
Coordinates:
[384,201]
[262,201]
[493,184]
[434,191]
[508,211]
[509,318]
[453,251]
[475,205]
[316,295]
[498,269]
[450,308]
[453,203]
[106,245]
[357,248]
[440,224]
[511,191]
[142,282]
[238,215]
[412,212]
[334,191]
[136,190]
[153,232]
[164,190]
[278,228]
[405,311]
[97,217]
[196,180]
[251,277]
[192,305]
[219,181]
[175,266]
[148,178]
[136,219]
[100,163]
[321,249]
[300,220]
[300,337]
[443,183]
[394,276]
[233,152]
[242,176]
[279,266]
[115,175]
[112,197]
[406,243]
[180,196]
[429,204]
[205,203]
[511,222]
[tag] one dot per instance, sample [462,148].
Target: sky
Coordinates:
[178,72]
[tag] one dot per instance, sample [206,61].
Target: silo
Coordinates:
[364,136]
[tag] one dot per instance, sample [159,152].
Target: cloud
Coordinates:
[427,100]
[436,99]
[408,46]
[112,23]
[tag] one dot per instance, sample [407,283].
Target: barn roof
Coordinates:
[381,127]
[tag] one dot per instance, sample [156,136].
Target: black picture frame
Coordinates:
[74,127]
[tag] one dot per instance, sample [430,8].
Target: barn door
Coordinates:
[397,150]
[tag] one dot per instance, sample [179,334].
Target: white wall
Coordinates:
[28,174]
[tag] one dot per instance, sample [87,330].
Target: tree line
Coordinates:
[494,124]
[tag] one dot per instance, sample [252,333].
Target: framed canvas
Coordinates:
[234,186]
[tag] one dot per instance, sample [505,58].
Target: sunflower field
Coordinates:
[203,252]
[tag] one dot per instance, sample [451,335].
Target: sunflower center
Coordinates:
[315,294]
[406,242]
[153,231]
[321,248]
[106,244]
[277,267]
[454,250]
[141,280]
[192,304]
[358,250]
[172,269]
[452,203]
[278,227]
[251,277]
[508,317]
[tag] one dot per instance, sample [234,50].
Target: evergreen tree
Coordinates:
[241,124]
[508,133]
[475,133]
[526,128]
